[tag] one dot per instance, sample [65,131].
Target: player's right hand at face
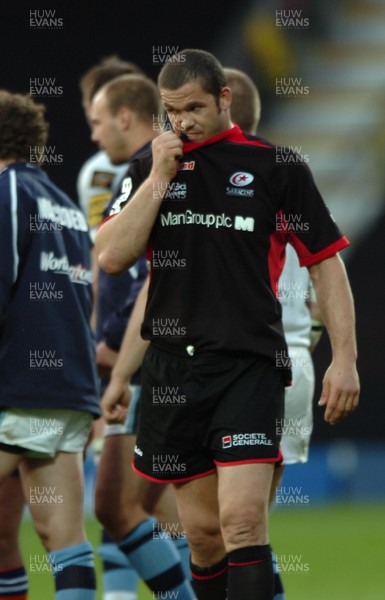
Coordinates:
[115,401]
[167,149]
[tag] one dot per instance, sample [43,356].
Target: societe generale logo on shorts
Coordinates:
[226,441]
[241,178]
[246,439]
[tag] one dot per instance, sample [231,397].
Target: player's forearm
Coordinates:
[123,239]
[336,306]
[133,347]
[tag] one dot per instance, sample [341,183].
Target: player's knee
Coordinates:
[205,541]
[117,520]
[243,527]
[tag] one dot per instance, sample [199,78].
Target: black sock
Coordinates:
[250,574]
[209,583]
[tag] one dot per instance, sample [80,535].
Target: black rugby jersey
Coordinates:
[217,248]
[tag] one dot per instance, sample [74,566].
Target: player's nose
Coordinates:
[185,123]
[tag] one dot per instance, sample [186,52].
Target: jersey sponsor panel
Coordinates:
[72,218]
[103,179]
[238,222]
[96,206]
[60,266]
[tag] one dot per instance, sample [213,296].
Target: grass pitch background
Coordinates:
[334,552]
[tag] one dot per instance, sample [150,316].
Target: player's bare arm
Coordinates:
[117,396]
[340,392]
[122,240]
[105,358]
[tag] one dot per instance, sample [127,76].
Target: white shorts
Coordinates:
[130,424]
[298,421]
[42,433]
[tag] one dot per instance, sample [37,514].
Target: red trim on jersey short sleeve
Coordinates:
[306,258]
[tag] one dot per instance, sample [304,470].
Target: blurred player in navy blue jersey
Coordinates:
[97,180]
[214,196]
[48,380]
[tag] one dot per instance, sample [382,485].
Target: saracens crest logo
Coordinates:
[240,178]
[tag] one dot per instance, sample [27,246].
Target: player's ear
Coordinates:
[124,116]
[225,98]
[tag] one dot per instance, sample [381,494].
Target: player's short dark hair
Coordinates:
[245,103]
[22,126]
[98,75]
[190,65]
[137,92]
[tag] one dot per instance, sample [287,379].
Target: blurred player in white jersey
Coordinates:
[98,178]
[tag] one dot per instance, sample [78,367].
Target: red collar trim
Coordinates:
[234,134]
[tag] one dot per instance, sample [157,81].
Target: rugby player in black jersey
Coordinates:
[215,328]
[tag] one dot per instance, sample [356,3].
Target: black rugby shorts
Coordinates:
[207,410]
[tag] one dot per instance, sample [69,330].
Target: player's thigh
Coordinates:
[54,491]
[198,508]
[197,504]
[277,477]
[8,463]
[160,501]
[11,512]
[11,507]
[243,493]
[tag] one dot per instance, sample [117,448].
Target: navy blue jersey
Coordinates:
[116,299]
[217,247]
[117,294]
[47,354]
